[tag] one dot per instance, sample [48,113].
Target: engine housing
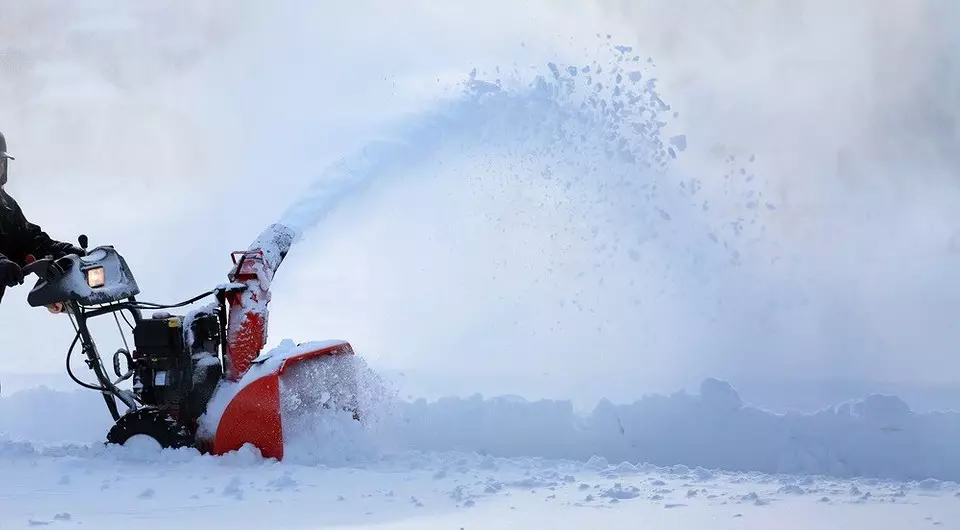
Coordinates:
[176,363]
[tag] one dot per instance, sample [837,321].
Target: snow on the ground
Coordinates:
[878,436]
[679,461]
[121,488]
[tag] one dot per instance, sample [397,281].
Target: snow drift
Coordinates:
[878,436]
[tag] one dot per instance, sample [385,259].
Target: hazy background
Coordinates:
[177,130]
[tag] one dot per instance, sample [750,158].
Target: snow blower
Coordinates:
[206,367]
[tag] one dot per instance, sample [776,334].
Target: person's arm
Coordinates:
[35,240]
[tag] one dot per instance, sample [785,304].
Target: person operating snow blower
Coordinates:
[19,237]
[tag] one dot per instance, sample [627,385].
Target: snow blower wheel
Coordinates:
[154,423]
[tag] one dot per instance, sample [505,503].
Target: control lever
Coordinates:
[44,268]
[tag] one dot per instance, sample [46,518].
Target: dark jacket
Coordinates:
[19,237]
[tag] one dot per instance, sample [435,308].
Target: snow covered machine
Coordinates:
[200,379]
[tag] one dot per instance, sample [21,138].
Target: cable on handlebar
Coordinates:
[151,305]
[70,370]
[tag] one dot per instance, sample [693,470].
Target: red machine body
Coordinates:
[253,414]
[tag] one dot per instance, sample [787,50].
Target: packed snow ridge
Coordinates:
[876,437]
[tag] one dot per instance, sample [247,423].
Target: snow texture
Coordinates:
[876,437]
[119,487]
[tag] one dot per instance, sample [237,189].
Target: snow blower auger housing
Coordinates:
[204,368]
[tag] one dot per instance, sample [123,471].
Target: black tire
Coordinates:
[155,423]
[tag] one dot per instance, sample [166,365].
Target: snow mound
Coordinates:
[878,436]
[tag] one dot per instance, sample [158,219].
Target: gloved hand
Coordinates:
[10,273]
[69,249]
[76,250]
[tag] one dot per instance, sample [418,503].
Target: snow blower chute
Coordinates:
[202,379]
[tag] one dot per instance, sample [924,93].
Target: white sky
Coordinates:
[177,131]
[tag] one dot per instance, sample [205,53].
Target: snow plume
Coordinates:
[552,229]
[852,112]
[608,107]
[816,240]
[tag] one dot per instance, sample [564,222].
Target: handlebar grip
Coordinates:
[40,267]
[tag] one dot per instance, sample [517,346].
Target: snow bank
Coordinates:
[44,415]
[878,436]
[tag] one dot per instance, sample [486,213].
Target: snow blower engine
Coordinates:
[198,380]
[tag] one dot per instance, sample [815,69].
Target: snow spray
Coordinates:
[593,135]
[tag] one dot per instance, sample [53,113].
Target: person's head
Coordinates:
[5,159]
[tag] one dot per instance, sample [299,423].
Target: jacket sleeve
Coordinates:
[34,240]
[42,244]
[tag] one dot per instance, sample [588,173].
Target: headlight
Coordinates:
[95,277]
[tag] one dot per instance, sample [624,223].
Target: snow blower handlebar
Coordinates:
[44,268]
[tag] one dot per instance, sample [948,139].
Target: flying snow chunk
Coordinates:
[679,141]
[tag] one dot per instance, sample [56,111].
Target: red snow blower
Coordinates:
[198,380]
